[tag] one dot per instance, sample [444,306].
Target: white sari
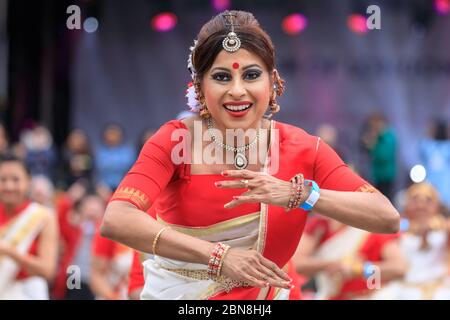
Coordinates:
[428,273]
[342,246]
[20,233]
[167,279]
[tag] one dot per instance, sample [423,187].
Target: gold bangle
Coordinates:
[157,238]
[225,251]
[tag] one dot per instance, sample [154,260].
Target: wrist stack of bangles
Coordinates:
[216,260]
[297,182]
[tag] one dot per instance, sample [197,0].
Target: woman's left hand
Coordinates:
[262,188]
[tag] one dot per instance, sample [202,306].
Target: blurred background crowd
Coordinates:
[76,106]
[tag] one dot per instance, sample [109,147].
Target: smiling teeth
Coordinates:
[238,108]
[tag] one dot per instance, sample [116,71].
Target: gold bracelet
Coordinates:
[225,251]
[157,238]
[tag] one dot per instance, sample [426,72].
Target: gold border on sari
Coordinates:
[36,218]
[214,229]
[6,226]
[264,207]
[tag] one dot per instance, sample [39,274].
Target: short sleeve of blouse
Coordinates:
[331,173]
[153,169]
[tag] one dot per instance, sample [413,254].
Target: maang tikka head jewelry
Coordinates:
[231,43]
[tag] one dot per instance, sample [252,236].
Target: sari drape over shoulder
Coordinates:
[21,230]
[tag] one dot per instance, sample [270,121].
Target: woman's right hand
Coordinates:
[251,267]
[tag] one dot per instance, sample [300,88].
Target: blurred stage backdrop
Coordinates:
[127,64]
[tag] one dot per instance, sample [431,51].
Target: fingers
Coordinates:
[254,282]
[268,272]
[272,278]
[253,269]
[234,184]
[260,278]
[273,267]
[243,174]
[238,200]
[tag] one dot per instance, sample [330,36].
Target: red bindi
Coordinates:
[235,65]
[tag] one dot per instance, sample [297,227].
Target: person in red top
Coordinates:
[218,227]
[69,235]
[28,237]
[348,263]
[111,264]
[136,276]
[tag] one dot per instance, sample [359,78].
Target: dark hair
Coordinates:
[9,157]
[253,38]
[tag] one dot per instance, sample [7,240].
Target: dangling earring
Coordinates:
[273,105]
[278,90]
[204,112]
[279,84]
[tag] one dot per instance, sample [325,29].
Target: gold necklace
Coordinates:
[240,159]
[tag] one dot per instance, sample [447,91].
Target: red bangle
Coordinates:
[297,191]
[216,260]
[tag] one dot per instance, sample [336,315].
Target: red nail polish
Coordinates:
[218,184]
[225,174]
[236,197]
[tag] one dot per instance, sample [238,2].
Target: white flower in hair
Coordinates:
[190,64]
[193,103]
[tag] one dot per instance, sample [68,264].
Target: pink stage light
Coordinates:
[294,23]
[442,7]
[357,23]
[221,5]
[164,21]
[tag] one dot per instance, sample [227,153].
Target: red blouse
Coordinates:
[154,172]
[157,185]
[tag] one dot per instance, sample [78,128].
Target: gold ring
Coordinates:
[245,182]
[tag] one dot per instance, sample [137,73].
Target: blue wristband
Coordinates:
[313,196]
[368,269]
[404,225]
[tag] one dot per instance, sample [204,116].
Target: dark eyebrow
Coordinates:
[220,68]
[228,70]
[251,66]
